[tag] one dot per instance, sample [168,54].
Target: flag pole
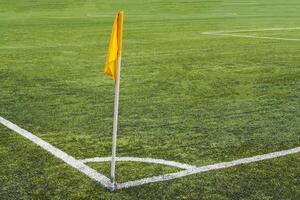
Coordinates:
[115,127]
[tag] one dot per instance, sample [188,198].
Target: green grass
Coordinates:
[187,97]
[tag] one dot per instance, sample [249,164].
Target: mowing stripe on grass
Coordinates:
[59,154]
[207,168]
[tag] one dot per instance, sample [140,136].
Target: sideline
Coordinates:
[103,180]
[232,33]
[207,168]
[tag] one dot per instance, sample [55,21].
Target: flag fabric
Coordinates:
[115,47]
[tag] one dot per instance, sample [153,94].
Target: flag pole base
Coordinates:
[114,186]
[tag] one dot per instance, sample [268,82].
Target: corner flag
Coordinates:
[115,47]
[113,69]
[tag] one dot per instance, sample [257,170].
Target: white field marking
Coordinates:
[258,37]
[145,160]
[207,168]
[103,180]
[232,33]
[253,30]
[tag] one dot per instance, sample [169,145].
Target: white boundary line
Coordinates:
[207,168]
[103,180]
[145,160]
[258,37]
[231,33]
[253,30]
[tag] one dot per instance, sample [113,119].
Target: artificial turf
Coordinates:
[187,97]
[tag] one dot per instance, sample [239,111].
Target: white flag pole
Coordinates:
[115,126]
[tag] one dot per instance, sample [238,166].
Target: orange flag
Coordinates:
[115,47]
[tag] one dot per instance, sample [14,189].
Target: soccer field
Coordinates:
[202,82]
